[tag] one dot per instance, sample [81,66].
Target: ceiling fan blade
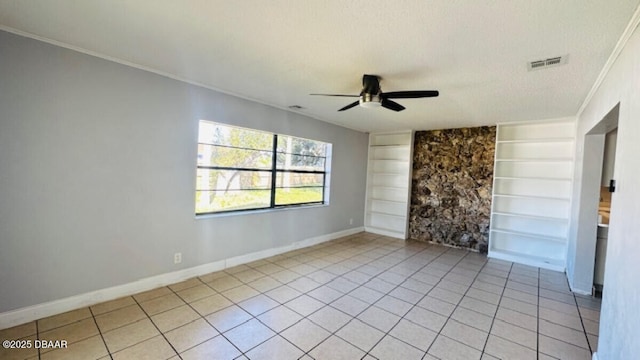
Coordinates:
[410,94]
[392,105]
[341,95]
[355,103]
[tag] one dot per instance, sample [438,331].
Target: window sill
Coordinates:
[258,211]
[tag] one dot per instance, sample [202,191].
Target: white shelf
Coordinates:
[532,197]
[533,170]
[526,141]
[387,173]
[537,207]
[385,200]
[536,150]
[536,261]
[390,139]
[531,178]
[532,235]
[537,217]
[532,193]
[385,232]
[391,146]
[388,187]
[536,130]
[388,183]
[536,159]
[387,214]
[391,160]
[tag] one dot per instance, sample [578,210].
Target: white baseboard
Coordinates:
[582,292]
[247,258]
[582,289]
[23,315]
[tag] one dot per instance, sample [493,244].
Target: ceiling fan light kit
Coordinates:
[372,96]
[370,101]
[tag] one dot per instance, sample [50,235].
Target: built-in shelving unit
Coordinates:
[532,193]
[389,183]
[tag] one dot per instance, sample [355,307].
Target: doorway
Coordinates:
[607,186]
[590,192]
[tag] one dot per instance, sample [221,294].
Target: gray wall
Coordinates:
[97,175]
[620,316]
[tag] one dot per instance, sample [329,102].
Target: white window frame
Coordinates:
[273,171]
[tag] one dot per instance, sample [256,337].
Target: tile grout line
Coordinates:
[210,324]
[416,304]
[538,320]
[38,337]
[566,327]
[100,333]
[334,333]
[281,304]
[352,317]
[456,305]
[584,329]
[252,317]
[537,333]
[497,308]
[363,285]
[173,308]
[156,326]
[368,258]
[359,286]
[305,293]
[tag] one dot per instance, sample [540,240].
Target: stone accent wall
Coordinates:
[451,186]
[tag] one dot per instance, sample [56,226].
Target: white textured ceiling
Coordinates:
[279,51]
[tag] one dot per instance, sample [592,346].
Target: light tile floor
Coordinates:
[360,297]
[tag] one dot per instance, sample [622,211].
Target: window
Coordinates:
[244,169]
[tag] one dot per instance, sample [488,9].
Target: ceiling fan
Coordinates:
[372,96]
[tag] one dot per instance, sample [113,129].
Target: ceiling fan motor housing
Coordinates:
[372,96]
[371,84]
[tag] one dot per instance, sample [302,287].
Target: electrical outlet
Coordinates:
[177,258]
[350,221]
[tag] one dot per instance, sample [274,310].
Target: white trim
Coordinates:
[564,119]
[261,211]
[580,291]
[23,315]
[622,42]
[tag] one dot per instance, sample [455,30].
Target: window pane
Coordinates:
[289,196]
[299,162]
[219,134]
[296,145]
[235,169]
[232,180]
[289,179]
[211,155]
[214,201]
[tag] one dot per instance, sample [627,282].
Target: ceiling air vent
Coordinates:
[550,62]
